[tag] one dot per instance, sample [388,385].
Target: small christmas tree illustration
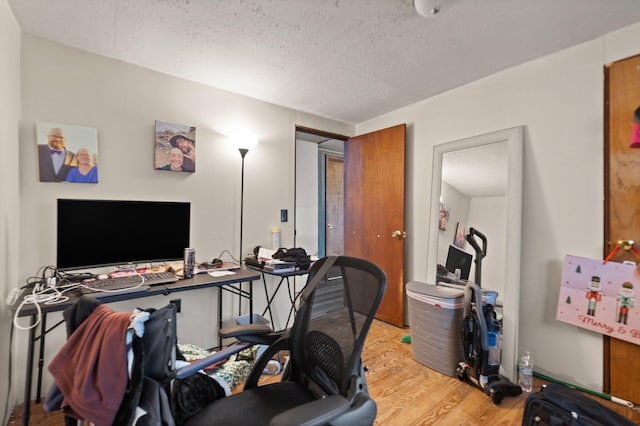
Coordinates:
[578,270]
[568,301]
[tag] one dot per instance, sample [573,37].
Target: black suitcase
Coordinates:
[560,405]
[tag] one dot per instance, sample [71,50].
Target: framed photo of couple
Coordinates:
[175,147]
[67,153]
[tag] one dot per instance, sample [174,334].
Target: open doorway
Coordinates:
[319,194]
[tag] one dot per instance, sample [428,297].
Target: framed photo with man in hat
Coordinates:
[175,147]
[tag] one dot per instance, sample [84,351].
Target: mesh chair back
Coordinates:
[333,321]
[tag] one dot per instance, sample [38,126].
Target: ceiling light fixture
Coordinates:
[428,8]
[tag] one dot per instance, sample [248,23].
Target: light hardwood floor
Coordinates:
[407,392]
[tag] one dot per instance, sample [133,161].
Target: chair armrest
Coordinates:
[318,412]
[258,334]
[281,344]
[244,330]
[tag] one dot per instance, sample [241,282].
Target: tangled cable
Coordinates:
[48,288]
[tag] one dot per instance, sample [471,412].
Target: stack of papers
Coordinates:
[272,265]
[265,254]
[279,266]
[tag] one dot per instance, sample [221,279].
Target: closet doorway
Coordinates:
[319,195]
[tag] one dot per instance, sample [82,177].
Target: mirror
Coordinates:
[494,207]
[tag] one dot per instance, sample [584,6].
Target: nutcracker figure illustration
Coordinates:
[625,302]
[594,295]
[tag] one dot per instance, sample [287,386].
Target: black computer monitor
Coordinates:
[95,233]
[458,259]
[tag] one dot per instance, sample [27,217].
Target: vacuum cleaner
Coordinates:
[481,334]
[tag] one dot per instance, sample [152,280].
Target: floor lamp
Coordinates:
[244,143]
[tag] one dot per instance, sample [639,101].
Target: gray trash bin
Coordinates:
[435,315]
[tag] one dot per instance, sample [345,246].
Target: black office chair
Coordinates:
[324,382]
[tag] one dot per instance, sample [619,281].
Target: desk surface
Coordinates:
[198,281]
[282,274]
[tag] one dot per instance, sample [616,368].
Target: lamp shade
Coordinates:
[244,141]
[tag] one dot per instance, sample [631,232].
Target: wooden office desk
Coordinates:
[230,283]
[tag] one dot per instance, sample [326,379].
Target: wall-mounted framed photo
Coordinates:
[175,147]
[458,239]
[444,218]
[67,153]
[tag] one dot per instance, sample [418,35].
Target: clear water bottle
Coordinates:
[525,372]
[275,238]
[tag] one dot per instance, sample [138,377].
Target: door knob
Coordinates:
[399,234]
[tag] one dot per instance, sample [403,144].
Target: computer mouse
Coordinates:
[216,262]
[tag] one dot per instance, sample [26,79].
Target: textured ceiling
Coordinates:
[350,60]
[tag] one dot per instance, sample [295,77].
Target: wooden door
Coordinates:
[374,210]
[622,210]
[334,202]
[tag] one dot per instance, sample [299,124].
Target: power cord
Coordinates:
[46,288]
[38,296]
[66,278]
[45,275]
[49,286]
[230,255]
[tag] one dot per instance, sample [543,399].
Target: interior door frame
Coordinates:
[321,182]
[324,159]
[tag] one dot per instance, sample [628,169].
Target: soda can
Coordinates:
[189,262]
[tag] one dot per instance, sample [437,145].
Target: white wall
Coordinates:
[307,196]
[69,86]
[489,216]
[9,195]
[559,100]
